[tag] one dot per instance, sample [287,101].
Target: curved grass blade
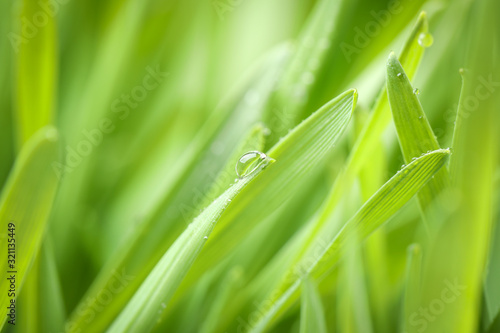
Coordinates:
[414,131]
[312,316]
[156,234]
[145,307]
[26,202]
[378,209]
[410,57]
[297,154]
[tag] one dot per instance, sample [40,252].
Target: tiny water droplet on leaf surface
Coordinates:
[425,40]
[248,163]
[416,91]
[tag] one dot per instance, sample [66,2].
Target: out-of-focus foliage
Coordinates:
[122,122]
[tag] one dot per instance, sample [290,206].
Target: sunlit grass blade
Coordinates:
[297,154]
[410,57]
[26,202]
[414,131]
[377,210]
[144,309]
[36,70]
[159,230]
[312,316]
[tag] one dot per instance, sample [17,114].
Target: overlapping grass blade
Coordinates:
[26,202]
[159,230]
[141,313]
[381,206]
[414,131]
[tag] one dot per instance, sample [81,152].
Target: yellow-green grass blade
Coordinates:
[26,202]
[155,234]
[147,304]
[455,269]
[381,206]
[297,154]
[365,144]
[414,131]
[410,57]
[312,315]
[35,43]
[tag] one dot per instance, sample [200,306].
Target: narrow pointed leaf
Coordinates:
[378,209]
[26,202]
[145,307]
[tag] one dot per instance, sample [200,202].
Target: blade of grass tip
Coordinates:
[152,297]
[375,212]
[312,314]
[297,154]
[475,159]
[412,288]
[410,57]
[155,234]
[414,132]
[26,203]
[36,73]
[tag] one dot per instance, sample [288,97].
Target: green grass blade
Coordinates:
[26,201]
[312,314]
[36,70]
[412,287]
[297,154]
[414,131]
[156,234]
[377,210]
[410,57]
[145,307]
[298,78]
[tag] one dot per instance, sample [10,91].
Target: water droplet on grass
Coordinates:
[248,163]
[416,91]
[425,40]
[399,74]
[206,237]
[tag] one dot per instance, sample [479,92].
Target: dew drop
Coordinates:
[206,237]
[228,200]
[399,74]
[248,163]
[425,40]
[416,91]
[420,117]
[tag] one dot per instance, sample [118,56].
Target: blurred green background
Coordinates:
[122,119]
